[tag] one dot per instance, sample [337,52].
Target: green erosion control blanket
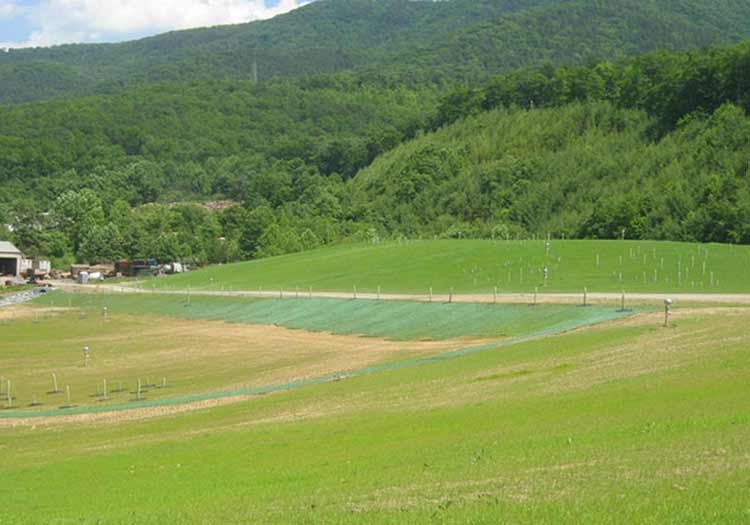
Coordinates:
[396,320]
[324,315]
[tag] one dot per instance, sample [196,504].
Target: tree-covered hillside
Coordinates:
[585,170]
[658,146]
[208,139]
[417,42]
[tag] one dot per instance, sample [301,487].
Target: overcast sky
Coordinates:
[25,23]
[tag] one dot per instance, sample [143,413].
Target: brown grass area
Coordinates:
[204,356]
[21,312]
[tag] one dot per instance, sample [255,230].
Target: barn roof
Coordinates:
[6,247]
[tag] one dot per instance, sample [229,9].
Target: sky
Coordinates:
[41,23]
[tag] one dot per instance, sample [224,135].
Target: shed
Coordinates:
[10,260]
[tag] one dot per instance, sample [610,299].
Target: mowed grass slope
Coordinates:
[623,423]
[475,266]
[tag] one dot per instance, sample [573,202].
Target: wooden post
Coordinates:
[104,389]
[430,293]
[450,296]
[138,391]
[585,296]
[55,390]
[494,296]
[10,397]
[622,302]
[67,393]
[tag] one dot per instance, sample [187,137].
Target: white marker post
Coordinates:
[667,305]
[85,357]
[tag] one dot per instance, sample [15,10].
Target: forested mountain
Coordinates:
[416,138]
[658,145]
[412,41]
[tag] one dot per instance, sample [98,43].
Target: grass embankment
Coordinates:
[619,424]
[155,337]
[479,266]
[395,320]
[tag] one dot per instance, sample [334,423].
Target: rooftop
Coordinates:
[6,247]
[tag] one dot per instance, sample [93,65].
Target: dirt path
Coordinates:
[505,298]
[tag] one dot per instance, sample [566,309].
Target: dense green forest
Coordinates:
[656,145]
[583,170]
[417,42]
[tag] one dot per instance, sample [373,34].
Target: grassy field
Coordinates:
[479,266]
[218,344]
[388,411]
[622,423]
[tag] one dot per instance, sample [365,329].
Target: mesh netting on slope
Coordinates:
[397,320]
[589,317]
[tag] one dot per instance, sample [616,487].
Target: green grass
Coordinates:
[623,424]
[396,320]
[478,266]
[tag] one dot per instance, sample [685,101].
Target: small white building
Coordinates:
[10,260]
[41,267]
